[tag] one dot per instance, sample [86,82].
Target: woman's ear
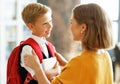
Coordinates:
[83,27]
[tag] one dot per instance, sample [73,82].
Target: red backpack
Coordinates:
[13,65]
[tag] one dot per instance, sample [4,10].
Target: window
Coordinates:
[11,30]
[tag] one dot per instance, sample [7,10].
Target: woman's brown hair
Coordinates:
[98,34]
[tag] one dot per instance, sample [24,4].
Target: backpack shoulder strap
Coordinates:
[35,46]
[31,42]
[51,48]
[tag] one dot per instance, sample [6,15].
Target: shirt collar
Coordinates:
[40,40]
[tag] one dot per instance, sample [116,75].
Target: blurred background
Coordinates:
[13,30]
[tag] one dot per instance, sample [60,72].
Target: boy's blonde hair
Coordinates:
[99,29]
[34,10]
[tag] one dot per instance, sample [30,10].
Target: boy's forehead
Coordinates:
[46,16]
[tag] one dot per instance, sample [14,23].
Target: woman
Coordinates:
[91,26]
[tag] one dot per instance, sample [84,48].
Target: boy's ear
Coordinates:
[30,26]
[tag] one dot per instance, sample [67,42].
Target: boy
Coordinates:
[37,18]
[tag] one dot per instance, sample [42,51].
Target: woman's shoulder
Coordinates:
[77,60]
[87,56]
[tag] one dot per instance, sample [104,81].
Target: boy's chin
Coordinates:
[47,36]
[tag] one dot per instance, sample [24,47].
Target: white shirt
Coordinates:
[28,50]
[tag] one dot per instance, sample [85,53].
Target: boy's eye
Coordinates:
[44,23]
[47,22]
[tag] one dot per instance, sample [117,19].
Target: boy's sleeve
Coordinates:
[26,50]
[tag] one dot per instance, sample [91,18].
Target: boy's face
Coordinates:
[43,26]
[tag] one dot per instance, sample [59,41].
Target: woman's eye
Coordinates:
[70,22]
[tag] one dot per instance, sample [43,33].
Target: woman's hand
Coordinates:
[32,61]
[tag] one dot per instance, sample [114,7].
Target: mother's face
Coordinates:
[77,29]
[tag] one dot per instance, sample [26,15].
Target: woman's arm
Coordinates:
[40,76]
[62,61]
[31,61]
